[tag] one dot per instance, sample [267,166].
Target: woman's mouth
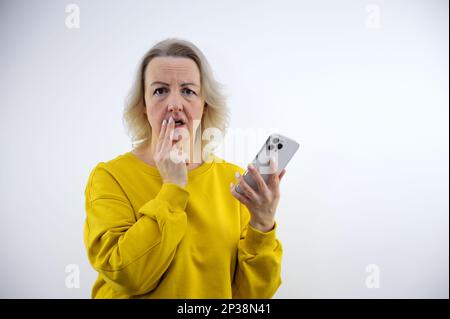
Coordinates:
[179,123]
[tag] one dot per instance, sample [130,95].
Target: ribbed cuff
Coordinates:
[175,195]
[257,241]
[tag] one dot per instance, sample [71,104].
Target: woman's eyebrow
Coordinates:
[166,84]
[189,83]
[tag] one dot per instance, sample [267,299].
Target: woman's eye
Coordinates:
[159,91]
[188,91]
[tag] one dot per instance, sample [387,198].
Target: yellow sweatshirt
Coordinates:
[147,239]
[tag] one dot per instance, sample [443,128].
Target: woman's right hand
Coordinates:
[170,171]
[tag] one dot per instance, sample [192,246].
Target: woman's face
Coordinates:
[172,88]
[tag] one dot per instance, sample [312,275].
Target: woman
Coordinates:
[163,225]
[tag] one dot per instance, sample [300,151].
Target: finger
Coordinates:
[273,178]
[238,196]
[262,187]
[246,189]
[282,174]
[162,132]
[167,142]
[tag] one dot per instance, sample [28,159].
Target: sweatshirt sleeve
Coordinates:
[132,255]
[258,273]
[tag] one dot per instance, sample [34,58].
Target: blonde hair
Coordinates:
[215,114]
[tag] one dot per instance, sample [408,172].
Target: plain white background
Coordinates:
[362,85]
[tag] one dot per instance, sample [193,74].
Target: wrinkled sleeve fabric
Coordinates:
[258,272]
[132,254]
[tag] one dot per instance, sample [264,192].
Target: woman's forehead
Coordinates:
[168,69]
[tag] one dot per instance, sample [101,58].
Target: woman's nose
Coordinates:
[174,102]
[172,107]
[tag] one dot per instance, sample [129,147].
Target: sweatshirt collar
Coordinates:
[205,166]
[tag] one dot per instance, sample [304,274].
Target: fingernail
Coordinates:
[170,120]
[250,166]
[237,174]
[164,122]
[231,185]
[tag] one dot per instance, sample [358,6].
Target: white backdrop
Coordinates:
[362,85]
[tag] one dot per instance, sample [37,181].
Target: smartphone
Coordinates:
[277,147]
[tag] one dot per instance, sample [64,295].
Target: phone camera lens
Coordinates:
[275,140]
[280,146]
[270,147]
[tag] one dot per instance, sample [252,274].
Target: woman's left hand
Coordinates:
[262,203]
